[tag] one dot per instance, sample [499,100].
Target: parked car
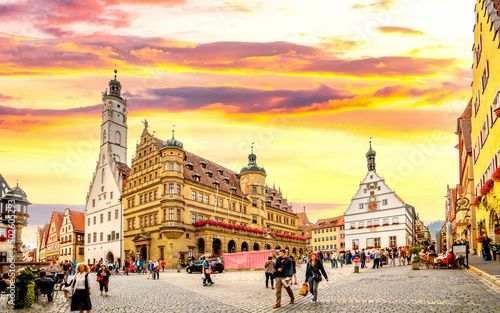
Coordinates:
[217,266]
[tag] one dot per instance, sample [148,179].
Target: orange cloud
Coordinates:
[377,5]
[396,30]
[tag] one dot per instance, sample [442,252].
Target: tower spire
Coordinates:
[370,157]
[173,131]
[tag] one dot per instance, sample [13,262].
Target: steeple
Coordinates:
[370,157]
[115,87]
[252,163]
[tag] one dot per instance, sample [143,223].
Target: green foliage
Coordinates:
[494,247]
[426,242]
[25,288]
[416,258]
[416,250]
[25,296]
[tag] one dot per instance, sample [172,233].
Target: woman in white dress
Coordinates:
[81,293]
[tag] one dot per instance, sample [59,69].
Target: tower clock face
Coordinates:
[372,199]
[372,186]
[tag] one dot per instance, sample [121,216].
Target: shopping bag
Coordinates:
[304,290]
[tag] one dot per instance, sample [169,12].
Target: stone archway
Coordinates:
[301,251]
[256,246]
[110,258]
[244,247]
[216,247]
[277,247]
[268,246]
[201,246]
[231,246]
[294,250]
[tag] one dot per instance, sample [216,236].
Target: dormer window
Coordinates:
[203,164]
[233,191]
[216,183]
[189,166]
[209,173]
[271,197]
[279,200]
[196,176]
[220,172]
[226,180]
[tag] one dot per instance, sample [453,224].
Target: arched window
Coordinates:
[118,137]
[102,177]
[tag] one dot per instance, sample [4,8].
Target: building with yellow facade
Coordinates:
[485,129]
[71,246]
[178,205]
[327,235]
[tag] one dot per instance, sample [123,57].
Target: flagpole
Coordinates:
[229,206]
[216,200]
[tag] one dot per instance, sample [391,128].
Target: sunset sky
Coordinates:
[309,81]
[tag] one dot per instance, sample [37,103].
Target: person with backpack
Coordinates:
[314,271]
[156,270]
[206,270]
[283,272]
[81,289]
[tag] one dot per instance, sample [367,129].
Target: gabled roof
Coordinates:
[303,219]
[57,218]
[78,219]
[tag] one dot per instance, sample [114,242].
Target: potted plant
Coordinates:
[495,250]
[415,260]
[25,287]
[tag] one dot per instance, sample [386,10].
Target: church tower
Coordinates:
[370,157]
[114,124]
[104,209]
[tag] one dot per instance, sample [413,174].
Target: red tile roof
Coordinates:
[303,219]
[78,219]
[329,222]
[233,178]
[57,217]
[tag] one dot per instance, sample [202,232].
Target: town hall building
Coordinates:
[377,217]
[103,209]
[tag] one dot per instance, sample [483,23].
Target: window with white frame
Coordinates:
[384,202]
[361,224]
[369,224]
[393,240]
[395,220]
[355,243]
[484,131]
[495,105]
[386,221]
[376,223]
[477,103]
[193,195]
[361,205]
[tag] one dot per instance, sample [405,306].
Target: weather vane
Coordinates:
[173,131]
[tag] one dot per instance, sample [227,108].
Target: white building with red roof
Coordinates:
[377,217]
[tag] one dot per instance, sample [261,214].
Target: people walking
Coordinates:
[55,268]
[314,271]
[342,258]
[163,265]
[485,243]
[294,270]
[283,272]
[362,258]
[392,257]
[103,279]
[269,270]
[376,258]
[81,289]
[156,270]
[206,272]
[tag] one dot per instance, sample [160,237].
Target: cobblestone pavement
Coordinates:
[390,289]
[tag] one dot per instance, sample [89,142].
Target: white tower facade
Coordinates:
[377,217]
[103,209]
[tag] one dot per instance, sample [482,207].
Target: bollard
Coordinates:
[356,264]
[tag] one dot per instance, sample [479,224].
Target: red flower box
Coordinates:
[392,246]
[385,224]
[368,226]
[360,227]
[376,225]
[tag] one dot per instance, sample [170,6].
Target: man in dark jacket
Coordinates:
[362,258]
[283,272]
[486,247]
[45,285]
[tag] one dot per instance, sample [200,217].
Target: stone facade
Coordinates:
[178,204]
